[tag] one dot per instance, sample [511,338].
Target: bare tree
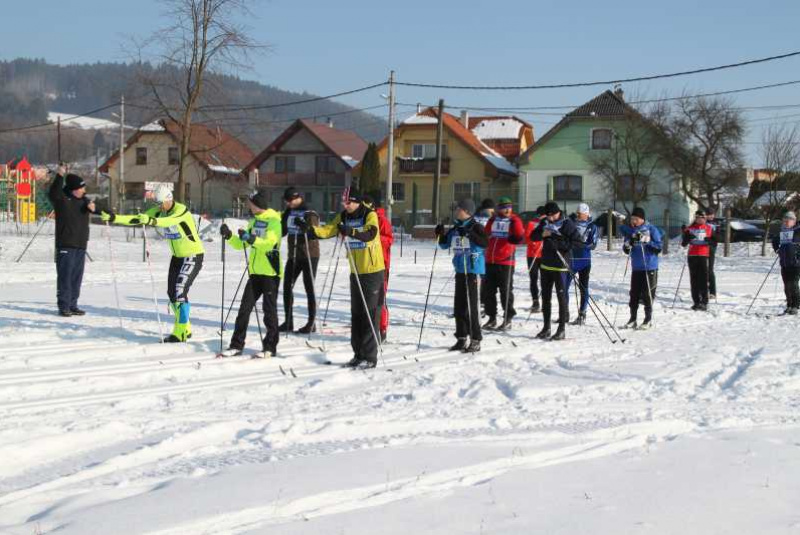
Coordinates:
[625,170]
[202,38]
[700,139]
[780,152]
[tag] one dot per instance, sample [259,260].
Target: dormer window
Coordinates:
[601,138]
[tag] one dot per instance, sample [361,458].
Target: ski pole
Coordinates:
[233,300]
[288,309]
[427,296]
[222,299]
[330,289]
[352,262]
[762,284]
[41,226]
[114,274]
[152,282]
[624,276]
[328,271]
[647,278]
[467,294]
[255,301]
[680,279]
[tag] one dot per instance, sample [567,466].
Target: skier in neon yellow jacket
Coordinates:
[263,238]
[187,253]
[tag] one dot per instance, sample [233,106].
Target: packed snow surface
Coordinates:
[692,427]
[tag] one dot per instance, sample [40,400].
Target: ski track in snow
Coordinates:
[93,415]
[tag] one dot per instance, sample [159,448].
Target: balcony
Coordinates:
[422,166]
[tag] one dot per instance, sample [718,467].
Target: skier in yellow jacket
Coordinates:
[359,226]
[263,237]
[187,253]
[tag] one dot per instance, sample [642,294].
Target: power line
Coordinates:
[606,82]
[50,123]
[293,103]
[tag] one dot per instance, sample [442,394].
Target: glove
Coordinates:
[145,219]
[439,230]
[251,239]
[108,216]
[461,231]
[626,249]
[344,230]
[244,235]
[635,237]
[225,232]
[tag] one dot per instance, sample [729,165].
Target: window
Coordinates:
[399,191]
[568,188]
[625,191]
[601,138]
[141,155]
[466,190]
[284,164]
[427,150]
[325,164]
[173,156]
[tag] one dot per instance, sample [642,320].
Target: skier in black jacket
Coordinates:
[67,194]
[787,244]
[559,236]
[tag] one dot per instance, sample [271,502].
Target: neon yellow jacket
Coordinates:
[365,244]
[181,228]
[265,255]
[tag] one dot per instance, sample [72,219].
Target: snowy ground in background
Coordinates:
[690,428]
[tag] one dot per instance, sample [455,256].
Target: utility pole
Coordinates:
[58,128]
[390,152]
[121,185]
[437,174]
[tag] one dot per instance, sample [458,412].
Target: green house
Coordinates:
[562,165]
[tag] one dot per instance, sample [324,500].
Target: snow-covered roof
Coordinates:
[224,169]
[349,160]
[84,123]
[500,162]
[152,127]
[779,197]
[501,128]
[420,119]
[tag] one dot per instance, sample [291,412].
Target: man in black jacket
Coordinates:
[302,258]
[559,235]
[68,196]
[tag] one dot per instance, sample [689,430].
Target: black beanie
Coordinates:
[540,210]
[354,195]
[551,208]
[73,182]
[291,193]
[487,204]
[638,212]
[259,198]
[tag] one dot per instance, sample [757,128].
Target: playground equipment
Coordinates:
[18,191]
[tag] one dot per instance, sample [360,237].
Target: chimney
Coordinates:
[465,119]
[619,92]
[330,122]
[419,108]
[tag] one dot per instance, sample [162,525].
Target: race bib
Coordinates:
[461,244]
[787,236]
[699,237]
[554,229]
[173,233]
[500,228]
[291,222]
[259,229]
[357,224]
[583,231]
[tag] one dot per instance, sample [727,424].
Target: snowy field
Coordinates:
[693,427]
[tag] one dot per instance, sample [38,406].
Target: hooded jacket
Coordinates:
[468,240]
[72,216]
[557,247]
[699,239]
[582,254]
[181,230]
[787,244]
[534,247]
[644,256]
[387,236]
[505,233]
[265,258]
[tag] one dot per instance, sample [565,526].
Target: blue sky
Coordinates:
[325,47]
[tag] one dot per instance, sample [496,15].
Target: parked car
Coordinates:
[741,231]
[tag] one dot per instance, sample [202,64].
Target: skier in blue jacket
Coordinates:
[468,240]
[787,244]
[581,264]
[643,244]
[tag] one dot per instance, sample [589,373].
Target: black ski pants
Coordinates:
[790,277]
[257,287]
[699,279]
[499,277]
[294,268]
[639,294]
[365,323]
[554,279]
[465,307]
[533,274]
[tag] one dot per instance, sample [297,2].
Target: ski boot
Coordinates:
[580,320]
[306,329]
[285,327]
[491,325]
[230,352]
[535,307]
[460,345]
[545,332]
[473,347]
[560,333]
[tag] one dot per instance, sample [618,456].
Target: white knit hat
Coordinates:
[583,208]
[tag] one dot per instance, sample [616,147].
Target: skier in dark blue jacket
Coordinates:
[582,258]
[468,240]
[787,244]
[643,244]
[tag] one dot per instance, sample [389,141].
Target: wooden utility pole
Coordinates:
[610,228]
[437,173]
[390,152]
[727,250]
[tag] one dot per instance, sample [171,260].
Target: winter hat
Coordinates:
[487,204]
[789,215]
[540,210]
[700,213]
[551,208]
[291,193]
[638,212]
[505,201]
[354,195]
[468,205]
[73,182]
[163,193]
[583,208]
[259,198]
